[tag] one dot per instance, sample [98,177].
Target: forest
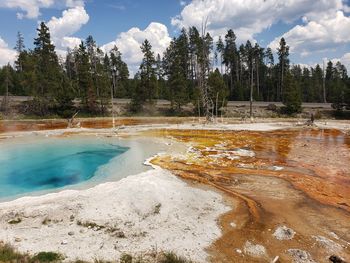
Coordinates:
[231,72]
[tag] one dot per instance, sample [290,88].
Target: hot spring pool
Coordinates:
[45,164]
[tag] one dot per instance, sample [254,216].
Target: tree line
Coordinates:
[193,59]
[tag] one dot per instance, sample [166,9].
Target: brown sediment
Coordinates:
[311,194]
[96,123]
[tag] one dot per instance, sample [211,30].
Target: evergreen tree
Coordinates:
[174,61]
[122,72]
[20,48]
[220,47]
[283,54]
[219,91]
[292,96]
[85,82]
[47,69]
[146,91]
[148,72]
[230,58]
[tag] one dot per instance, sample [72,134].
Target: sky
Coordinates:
[315,30]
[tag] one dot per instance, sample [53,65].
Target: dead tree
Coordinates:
[202,70]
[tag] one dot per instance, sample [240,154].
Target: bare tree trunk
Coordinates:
[221,62]
[222,106]
[251,94]
[324,84]
[281,87]
[216,104]
[199,111]
[257,78]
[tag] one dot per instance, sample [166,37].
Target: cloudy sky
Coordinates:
[314,29]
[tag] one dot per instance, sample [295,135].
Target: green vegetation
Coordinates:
[87,77]
[8,255]
[47,257]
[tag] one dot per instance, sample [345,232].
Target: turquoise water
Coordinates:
[52,164]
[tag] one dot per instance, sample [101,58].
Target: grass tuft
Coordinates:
[8,254]
[170,257]
[47,257]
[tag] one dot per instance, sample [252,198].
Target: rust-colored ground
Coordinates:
[310,195]
[97,123]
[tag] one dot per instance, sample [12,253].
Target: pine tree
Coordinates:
[219,91]
[283,53]
[230,57]
[292,96]
[48,69]
[148,72]
[176,71]
[122,72]
[20,48]
[85,81]
[220,48]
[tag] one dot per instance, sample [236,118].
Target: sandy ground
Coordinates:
[152,210]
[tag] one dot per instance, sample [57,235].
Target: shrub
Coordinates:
[8,254]
[126,258]
[272,107]
[170,257]
[47,257]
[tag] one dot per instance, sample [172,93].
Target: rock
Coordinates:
[300,256]
[284,233]
[254,250]
[233,224]
[328,244]
[277,168]
[71,233]
[239,251]
[64,242]
[336,259]
[17,239]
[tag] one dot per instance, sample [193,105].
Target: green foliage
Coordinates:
[92,76]
[292,96]
[47,257]
[8,254]
[146,90]
[218,88]
[170,257]
[126,258]
[175,69]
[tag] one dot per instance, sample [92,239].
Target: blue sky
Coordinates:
[315,29]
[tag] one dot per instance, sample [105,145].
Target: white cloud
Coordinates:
[325,33]
[63,28]
[345,60]
[7,55]
[249,17]
[31,8]
[129,43]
